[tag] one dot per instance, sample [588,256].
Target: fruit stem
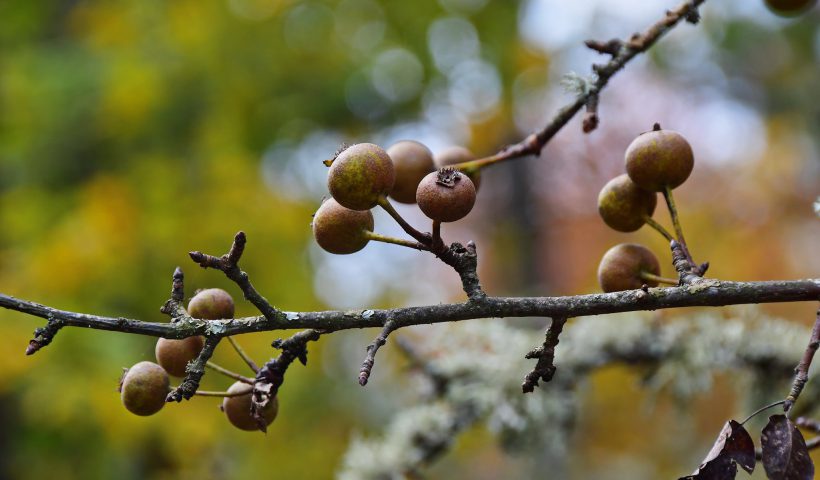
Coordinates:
[438,243]
[657,278]
[657,226]
[385,204]
[228,373]
[395,241]
[205,393]
[244,355]
[673,212]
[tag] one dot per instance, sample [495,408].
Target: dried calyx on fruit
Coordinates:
[360,176]
[446,195]
[626,267]
[143,388]
[624,206]
[238,408]
[174,355]
[341,230]
[659,159]
[455,155]
[411,161]
[790,8]
[211,304]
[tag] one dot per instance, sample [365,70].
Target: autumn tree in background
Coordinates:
[137,132]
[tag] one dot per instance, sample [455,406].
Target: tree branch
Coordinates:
[711,293]
[622,53]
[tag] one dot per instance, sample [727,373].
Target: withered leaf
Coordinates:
[785,456]
[733,447]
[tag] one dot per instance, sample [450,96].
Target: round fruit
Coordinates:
[144,387]
[790,7]
[412,161]
[446,196]
[211,304]
[174,355]
[341,230]
[659,158]
[360,175]
[456,154]
[624,206]
[622,265]
[238,409]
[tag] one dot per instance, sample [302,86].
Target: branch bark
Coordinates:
[707,292]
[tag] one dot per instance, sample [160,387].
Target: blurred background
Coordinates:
[133,132]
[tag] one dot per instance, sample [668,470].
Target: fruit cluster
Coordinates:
[145,386]
[656,161]
[363,175]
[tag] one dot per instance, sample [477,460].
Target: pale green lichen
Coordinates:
[485,363]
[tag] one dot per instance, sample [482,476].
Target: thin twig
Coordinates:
[271,376]
[370,359]
[802,371]
[544,368]
[636,45]
[248,360]
[195,371]
[809,424]
[229,265]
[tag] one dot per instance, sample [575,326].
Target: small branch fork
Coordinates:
[544,368]
[229,265]
[621,53]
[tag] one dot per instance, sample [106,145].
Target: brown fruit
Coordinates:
[411,161]
[446,196]
[144,387]
[238,409]
[659,158]
[341,230]
[790,8]
[174,355]
[360,175]
[457,154]
[622,265]
[211,304]
[624,206]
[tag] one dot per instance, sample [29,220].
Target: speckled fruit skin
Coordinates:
[659,158]
[411,161]
[144,388]
[622,204]
[211,304]
[238,409]
[443,203]
[360,175]
[789,8]
[457,154]
[621,266]
[341,230]
[174,355]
